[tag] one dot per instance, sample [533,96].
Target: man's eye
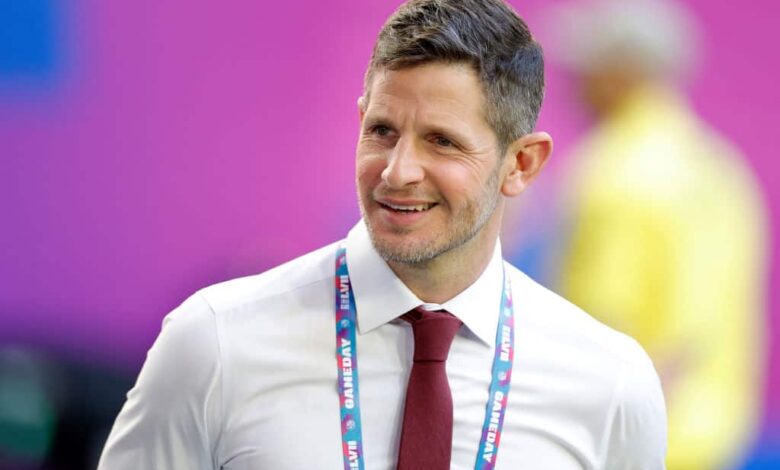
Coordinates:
[443,141]
[381,131]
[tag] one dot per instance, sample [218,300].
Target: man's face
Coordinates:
[428,168]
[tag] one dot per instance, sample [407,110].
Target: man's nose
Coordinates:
[404,165]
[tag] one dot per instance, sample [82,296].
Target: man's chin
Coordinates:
[403,251]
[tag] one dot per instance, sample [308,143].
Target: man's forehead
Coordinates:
[434,87]
[431,68]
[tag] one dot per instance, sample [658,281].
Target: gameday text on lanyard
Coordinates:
[349,396]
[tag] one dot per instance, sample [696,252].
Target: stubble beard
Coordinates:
[474,217]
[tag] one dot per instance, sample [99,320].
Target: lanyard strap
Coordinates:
[498,396]
[349,397]
[346,354]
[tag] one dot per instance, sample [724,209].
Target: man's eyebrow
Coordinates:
[371,120]
[456,131]
[448,131]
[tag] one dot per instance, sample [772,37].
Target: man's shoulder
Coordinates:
[561,321]
[308,270]
[614,380]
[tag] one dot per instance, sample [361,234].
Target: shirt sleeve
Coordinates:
[171,417]
[638,429]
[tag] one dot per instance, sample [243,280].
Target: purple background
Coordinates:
[153,148]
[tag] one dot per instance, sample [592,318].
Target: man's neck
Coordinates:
[444,277]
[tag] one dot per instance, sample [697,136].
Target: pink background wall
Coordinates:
[165,146]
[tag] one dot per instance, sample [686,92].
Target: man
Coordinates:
[408,362]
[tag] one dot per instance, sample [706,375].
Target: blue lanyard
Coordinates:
[349,396]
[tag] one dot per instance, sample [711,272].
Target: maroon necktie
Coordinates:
[426,439]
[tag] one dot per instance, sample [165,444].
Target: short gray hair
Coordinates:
[486,34]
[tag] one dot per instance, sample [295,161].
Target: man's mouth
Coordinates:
[407,207]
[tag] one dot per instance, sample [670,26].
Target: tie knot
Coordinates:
[433,334]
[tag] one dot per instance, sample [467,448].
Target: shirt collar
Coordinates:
[380,296]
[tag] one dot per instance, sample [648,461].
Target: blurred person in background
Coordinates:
[667,228]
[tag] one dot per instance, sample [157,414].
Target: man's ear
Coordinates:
[361,104]
[525,159]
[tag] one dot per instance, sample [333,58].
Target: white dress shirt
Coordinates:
[243,376]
